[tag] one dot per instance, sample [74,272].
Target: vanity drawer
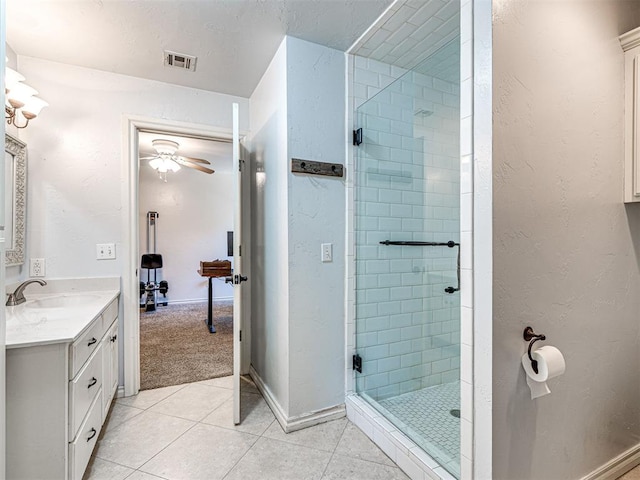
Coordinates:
[80,449]
[82,348]
[83,390]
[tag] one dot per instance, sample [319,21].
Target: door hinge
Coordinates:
[239,250]
[240,335]
[357,363]
[357,136]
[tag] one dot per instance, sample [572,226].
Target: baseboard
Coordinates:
[268,397]
[291,424]
[200,300]
[617,466]
[120,391]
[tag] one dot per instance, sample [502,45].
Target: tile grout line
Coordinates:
[195,423]
[333,452]
[245,454]
[167,446]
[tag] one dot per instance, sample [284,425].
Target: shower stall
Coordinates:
[407,234]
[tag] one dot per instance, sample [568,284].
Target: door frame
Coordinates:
[130,164]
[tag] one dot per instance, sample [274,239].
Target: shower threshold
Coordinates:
[425,416]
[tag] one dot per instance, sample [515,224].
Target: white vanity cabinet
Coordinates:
[630,43]
[58,395]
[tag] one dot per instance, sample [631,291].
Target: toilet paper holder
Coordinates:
[530,336]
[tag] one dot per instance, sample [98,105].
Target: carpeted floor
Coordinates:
[176,346]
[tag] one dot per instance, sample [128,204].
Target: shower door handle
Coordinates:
[411,243]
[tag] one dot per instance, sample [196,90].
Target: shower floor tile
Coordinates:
[425,416]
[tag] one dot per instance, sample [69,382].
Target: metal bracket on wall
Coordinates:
[317,168]
[357,363]
[357,137]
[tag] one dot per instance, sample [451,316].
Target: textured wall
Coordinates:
[74,197]
[297,110]
[316,131]
[269,253]
[565,247]
[196,211]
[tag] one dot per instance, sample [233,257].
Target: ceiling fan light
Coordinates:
[163,165]
[163,146]
[173,166]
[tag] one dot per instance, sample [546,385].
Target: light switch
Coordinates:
[327,252]
[105,251]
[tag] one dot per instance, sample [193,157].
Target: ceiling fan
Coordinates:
[166,160]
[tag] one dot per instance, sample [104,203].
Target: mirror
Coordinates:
[15,184]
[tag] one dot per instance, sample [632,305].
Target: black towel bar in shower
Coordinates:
[408,243]
[450,244]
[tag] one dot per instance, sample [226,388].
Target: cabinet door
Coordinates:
[109,366]
[113,339]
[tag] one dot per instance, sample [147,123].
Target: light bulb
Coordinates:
[163,165]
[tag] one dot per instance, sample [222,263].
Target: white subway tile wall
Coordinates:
[362,87]
[407,188]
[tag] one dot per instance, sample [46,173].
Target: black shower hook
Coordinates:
[530,336]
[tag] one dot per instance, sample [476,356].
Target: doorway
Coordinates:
[185,216]
[133,127]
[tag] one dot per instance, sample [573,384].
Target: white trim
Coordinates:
[292,424]
[131,125]
[630,39]
[482,241]
[617,466]
[411,458]
[120,391]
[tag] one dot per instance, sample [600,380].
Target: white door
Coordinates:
[238,277]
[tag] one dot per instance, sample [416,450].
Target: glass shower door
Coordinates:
[407,256]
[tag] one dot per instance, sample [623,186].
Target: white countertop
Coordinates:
[48,318]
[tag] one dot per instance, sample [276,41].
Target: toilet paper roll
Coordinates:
[550,363]
[538,389]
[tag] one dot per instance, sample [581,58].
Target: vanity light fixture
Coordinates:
[21,100]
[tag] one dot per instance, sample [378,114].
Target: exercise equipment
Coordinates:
[149,298]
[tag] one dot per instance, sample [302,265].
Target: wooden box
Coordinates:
[217,268]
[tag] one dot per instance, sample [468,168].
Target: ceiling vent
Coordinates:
[179,60]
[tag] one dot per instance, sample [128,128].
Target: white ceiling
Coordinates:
[234,40]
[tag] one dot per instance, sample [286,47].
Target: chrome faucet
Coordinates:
[17,297]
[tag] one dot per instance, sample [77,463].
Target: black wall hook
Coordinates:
[530,336]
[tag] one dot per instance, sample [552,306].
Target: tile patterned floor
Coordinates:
[425,415]
[186,432]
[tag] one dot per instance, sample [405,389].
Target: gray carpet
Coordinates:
[176,346]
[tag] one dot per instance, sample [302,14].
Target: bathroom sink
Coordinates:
[63,301]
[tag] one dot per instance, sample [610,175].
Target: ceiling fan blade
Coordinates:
[197,167]
[196,160]
[149,158]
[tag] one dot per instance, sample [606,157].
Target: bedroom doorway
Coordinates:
[132,127]
[185,215]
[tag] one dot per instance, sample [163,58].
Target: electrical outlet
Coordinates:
[327,252]
[105,251]
[36,267]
